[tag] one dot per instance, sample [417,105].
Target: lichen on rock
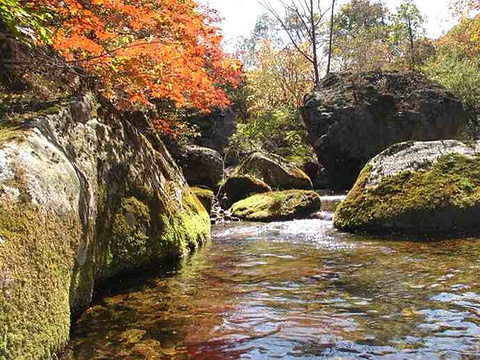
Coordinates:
[418,187]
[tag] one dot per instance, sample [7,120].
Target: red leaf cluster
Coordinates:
[146,49]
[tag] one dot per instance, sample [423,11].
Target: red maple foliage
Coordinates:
[144,50]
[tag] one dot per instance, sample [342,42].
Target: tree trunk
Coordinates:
[330,43]
[314,43]
[412,55]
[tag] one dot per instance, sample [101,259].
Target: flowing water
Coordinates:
[294,290]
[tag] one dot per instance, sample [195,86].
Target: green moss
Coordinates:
[205,196]
[186,228]
[129,245]
[444,198]
[277,205]
[36,258]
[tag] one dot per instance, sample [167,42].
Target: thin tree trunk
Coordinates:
[331,39]
[412,55]
[314,43]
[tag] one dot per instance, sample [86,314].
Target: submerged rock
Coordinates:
[242,186]
[418,187]
[201,166]
[277,206]
[352,118]
[83,197]
[274,171]
[205,196]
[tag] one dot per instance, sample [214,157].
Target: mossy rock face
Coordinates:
[82,199]
[416,187]
[277,206]
[205,196]
[275,171]
[37,254]
[240,187]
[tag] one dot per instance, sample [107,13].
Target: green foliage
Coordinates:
[361,36]
[368,37]
[461,76]
[280,132]
[25,25]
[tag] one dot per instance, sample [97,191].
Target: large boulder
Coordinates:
[277,206]
[83,197]
[216,128]
[201,166]
[274,171]
[351,118]
[239,187]
[417,187]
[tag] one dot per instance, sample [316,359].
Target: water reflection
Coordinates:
[298,290]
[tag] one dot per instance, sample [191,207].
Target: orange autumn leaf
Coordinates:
[142,50]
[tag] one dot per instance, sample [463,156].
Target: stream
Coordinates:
[293,290]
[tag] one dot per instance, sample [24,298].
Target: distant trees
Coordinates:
[303,22]
[276,77]
[362,36]
[456,63]
[369,37]
[407,29]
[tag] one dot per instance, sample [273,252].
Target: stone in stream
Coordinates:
[205,196]
[416,187]
[201,166]
[353,117]
[84,197]
[239,187]
[275,171]
[277,206]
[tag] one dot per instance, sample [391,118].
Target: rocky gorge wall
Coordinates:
[84,196]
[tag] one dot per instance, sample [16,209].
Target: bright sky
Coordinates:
[240,15]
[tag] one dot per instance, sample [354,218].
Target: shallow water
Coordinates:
[294,290]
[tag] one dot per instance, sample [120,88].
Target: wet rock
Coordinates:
[277,206]
[241,186]
[416,187]
[205,196]
[274,171]
[351,118]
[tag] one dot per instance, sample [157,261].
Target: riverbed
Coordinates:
[293,290]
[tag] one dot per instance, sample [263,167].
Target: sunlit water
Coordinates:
[294,290]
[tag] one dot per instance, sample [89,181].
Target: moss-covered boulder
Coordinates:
[275,171]
[239,187]
[205,196]
[416,187]
[83,197]
[277,206]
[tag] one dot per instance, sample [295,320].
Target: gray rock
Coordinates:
[351,118]
[416,187]
[201,166]
[216,129]
[274,171]
[242,186]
